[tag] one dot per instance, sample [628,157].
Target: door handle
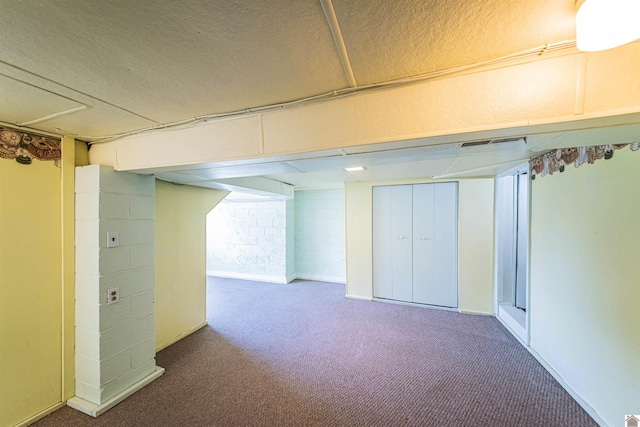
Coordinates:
[402,237]
[426,238]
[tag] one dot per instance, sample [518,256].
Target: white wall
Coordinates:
[290,243]
[320,235]
[585,270]
[115,344]
[248,240]
[475,241]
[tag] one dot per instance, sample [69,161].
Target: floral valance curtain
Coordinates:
[556,160]
[25,146]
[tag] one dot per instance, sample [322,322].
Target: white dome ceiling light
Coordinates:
[605,24]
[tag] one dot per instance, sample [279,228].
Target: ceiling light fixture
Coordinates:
[355,169]
[605,24]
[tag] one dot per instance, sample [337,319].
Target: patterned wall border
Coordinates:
[556,160]
[25,146]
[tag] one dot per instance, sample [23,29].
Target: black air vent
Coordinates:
[493,141]
[476,143]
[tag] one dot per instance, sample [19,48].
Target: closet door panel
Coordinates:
[444,291]
[382,238]
[424,250]
[402,247]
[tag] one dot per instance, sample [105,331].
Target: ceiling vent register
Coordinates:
[493,142]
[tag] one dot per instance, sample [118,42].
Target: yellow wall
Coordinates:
[475,242]
[74,153]
[585,275]
[475,236]
[31,289]
[180,305]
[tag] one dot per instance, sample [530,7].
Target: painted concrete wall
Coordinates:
[475,242]
[180,214]
[30,289]
[584,281]
[320,235]
[115,343]
[290,243]
[36,286]
[475,236]
[248,240]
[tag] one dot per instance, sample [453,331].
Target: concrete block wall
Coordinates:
[320,235]
[277,240]
[248,240]
[115,344]
[290,217]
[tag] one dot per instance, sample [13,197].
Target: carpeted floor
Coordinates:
[304,355]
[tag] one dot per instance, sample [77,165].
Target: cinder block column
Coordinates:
[115,329]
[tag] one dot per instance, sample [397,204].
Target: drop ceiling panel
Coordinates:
[168,60]
[240,171]
[22,102]
[393,39]
[176,177]
[98,120]
[402,171]
[486,164]
[324,179]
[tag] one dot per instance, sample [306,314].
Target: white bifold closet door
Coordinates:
[415,243]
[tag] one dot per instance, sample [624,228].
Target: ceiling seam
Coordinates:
[332,20]
[503,61]
[54,115]
[72,90]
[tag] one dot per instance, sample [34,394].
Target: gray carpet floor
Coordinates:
[304,355]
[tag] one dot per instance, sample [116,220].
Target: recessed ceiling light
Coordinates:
[355,169]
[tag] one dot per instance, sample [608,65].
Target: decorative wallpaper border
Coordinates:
[556,160]
[25,146]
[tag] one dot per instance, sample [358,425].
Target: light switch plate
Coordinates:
[113,239]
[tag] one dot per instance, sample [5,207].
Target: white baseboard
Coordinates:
[94,410]
[514,333]
[247,276]
[359,297]
[322,278]
[476,313]
[277,279]
[515,326]
[576,396]
[291,277]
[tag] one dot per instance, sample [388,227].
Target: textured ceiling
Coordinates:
[388,40]
[96,68]
[162,61]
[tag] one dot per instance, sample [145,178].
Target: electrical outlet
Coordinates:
[113,296]
[113,239]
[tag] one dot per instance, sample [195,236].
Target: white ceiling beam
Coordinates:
[527,99]
[250,185]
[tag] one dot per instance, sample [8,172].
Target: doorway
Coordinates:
[512,250]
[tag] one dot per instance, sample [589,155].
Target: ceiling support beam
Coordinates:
[256,186]
[332,20]
[533,99]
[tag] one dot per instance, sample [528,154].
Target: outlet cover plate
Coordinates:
[113,296]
